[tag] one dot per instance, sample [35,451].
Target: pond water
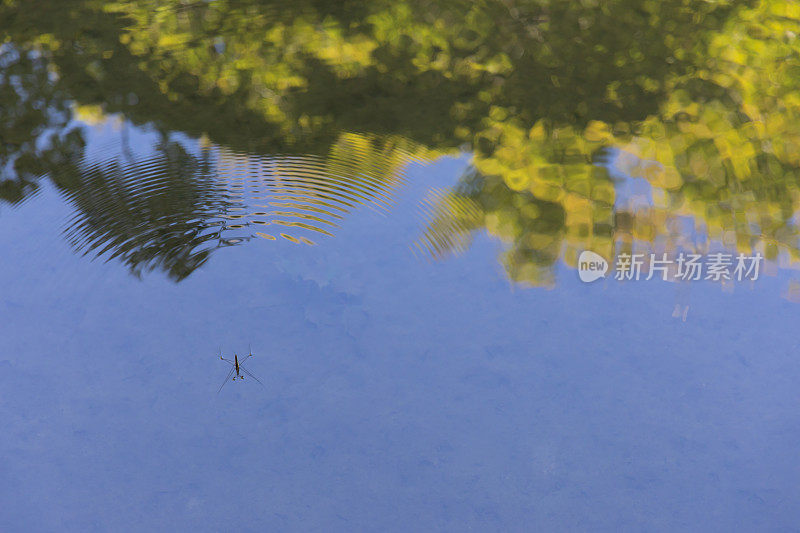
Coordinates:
[386,203]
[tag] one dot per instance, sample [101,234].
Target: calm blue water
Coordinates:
[400,394]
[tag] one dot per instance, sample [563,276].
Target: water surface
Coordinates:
[387,202]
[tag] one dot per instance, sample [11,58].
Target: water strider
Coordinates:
[237,368]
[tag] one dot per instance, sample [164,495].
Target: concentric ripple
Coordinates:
[451,220]
[172,208]
[160,212]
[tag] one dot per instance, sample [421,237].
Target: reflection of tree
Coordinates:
[699,94]
[34,116]
[727,141]
[532,227]
[163,212]
[720,147]
[432,71]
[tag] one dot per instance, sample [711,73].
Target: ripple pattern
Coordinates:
[303,198]
[451,222]
[169,210]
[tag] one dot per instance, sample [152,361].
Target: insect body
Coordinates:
[237,368]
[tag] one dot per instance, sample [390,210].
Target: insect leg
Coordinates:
[226,380]
[251,375]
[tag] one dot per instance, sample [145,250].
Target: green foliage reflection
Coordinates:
[698,96]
